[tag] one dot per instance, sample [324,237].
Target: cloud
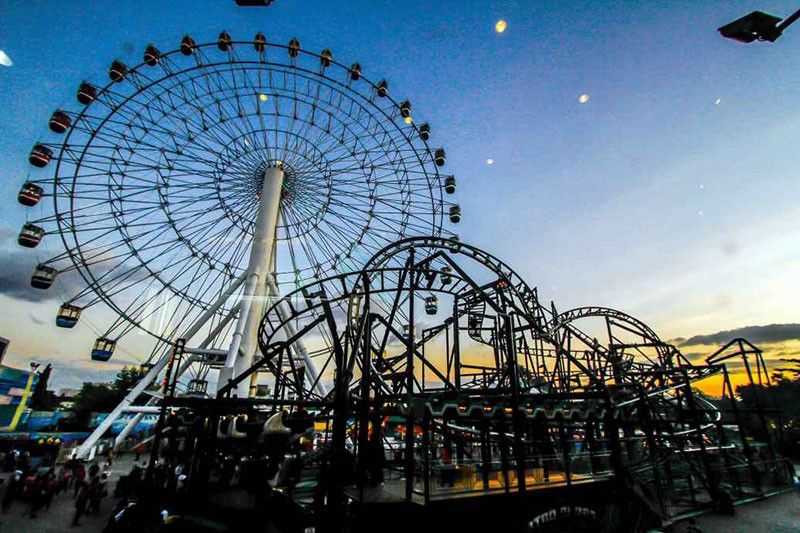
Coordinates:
[756,334]
[786,353]
[16,268]
[729,248]
[18,264]
[35,319]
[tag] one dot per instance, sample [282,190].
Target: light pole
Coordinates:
[757,26]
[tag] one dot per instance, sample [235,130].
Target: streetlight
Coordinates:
[253,3]
[757,25]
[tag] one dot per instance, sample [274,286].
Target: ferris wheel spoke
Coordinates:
[157,186]
[216,104]
[140,148]
[310,252]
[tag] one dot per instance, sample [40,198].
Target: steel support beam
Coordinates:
[244,342]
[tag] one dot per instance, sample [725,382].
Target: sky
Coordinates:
[671,194]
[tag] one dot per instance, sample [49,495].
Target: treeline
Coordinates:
[781,403]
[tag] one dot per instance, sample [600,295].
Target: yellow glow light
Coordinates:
[409,120]
[584,98]
[500,26]
[262,97]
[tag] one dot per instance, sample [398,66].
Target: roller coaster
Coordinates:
[455,395]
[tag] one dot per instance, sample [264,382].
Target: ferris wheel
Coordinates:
[189,189]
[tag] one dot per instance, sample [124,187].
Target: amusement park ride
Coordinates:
[274,219]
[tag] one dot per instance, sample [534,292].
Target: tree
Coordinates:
[126,379]
[103,397]
[783,396]
[43,399]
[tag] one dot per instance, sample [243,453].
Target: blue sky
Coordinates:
[672,194]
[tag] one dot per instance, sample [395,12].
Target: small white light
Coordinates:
[490,161]
[700,213]
[702,186]
[584,98]
[500,26]
[718,101]
[262,97]
[5,60]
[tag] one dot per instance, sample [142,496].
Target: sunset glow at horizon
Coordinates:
[669,192]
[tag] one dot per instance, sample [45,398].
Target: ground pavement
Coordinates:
[778,514]
[62,510]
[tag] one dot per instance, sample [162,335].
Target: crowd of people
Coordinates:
[259,457]
[35,487]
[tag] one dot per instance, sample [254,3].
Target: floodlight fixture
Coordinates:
[253,3]
[757,26]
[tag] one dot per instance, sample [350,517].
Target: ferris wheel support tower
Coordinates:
[244,342]
[259,284]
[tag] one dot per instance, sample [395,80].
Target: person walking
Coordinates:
[80,477]
[29,492]
[94,496]
[12,490]
[66,479]
[97,492]
[139,451]
[38,494]
[82,498]
[53,486]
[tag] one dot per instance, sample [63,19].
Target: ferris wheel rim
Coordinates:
[73,246]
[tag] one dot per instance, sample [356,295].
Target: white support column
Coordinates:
[244,342]
[142,410]
[213,334]
[152,375]
[112,417]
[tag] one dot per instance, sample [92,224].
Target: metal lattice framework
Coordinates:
[553,352]
[493,391]
[157,182]
[401,292]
